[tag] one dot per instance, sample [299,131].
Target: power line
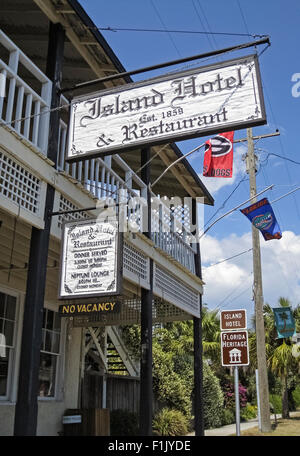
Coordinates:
[166,30]
[196,32]
[277,155]
[243,17]
[230,258]
[226,200]
[232,292]
[203,26]
[206,20]
[281,146]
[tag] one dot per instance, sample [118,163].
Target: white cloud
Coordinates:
[229,284]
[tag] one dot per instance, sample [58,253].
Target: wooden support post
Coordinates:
[27,405]
[146,393]
[258,300]
[198,349]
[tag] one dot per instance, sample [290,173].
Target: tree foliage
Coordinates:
[213,398]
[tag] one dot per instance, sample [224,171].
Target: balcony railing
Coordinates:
[170,235]
[25,98]
[21,100]
[98,176]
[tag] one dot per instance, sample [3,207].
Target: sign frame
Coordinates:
[234,125]
[92,297]
[244,311]
[247,350]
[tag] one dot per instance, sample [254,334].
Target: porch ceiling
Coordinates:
[87,56]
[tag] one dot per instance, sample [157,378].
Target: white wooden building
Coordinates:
[25,173]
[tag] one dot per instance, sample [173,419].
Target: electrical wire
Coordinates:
[232,292]
[167,31]
[243,17]
[197,32]
[279,156]
[202,25]
[244,178]
[264,173]
[281,145]
[67,105]
[208,26]
[230,258]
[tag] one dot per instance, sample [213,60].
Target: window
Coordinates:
[50,353]
[7,329]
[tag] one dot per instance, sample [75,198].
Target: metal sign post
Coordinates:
[234,350]
[237,401]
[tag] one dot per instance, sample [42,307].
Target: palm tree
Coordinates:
[281,362]
[279,351]
[211,334]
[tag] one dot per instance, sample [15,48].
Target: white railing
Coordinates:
[25,108]
[169,234]
[98,177]
[29,101]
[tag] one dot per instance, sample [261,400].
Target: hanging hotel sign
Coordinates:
[90,261]
[220,97]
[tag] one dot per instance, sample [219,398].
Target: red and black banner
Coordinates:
[218,156]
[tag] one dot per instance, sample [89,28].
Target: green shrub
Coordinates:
[296,396]
[228,417]
[249,412]
[276,402]
[170,422]
[123,422]
[213,399]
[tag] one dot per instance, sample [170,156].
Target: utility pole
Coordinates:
[258,295]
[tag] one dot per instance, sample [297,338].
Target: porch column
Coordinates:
[198,350]
[26,411]
[146,392]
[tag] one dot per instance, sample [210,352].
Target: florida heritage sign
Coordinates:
[220,97]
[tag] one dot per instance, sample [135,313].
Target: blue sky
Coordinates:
[229,284]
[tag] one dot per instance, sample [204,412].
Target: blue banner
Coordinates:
[262,217]
[284,321]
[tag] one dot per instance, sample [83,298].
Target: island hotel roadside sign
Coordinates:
[91,262]
[220,97]
[234,338]
[233,319]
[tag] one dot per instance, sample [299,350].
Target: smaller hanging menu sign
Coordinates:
[90,259]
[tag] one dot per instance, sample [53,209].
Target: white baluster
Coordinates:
[3,74]
[19,108]
[28,108]
[36,122]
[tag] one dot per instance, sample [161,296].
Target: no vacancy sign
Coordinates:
[220,97]
[234,348]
